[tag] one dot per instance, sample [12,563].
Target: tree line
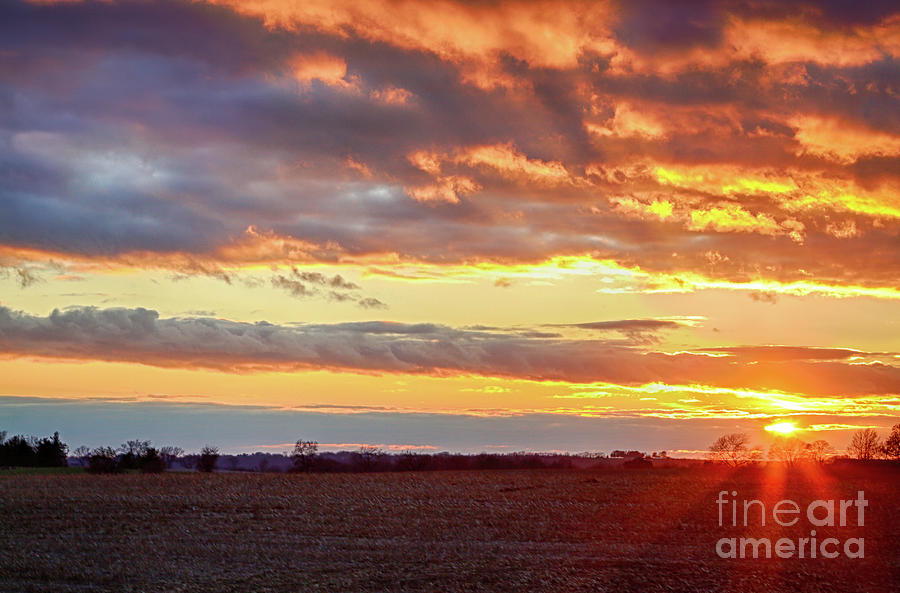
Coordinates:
[139,455]
[735,449]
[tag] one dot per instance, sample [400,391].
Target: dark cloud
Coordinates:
[651,25]
[141,336]
[638,331]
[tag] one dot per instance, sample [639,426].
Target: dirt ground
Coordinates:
[614,530]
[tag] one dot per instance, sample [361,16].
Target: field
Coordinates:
[615,530]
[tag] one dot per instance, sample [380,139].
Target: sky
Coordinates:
[479,226]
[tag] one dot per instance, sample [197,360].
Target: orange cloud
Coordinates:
[628,122]
[842,140]
[779,42]
[510,163]
[445,189]
[544,34]
[392,95]
[326,68]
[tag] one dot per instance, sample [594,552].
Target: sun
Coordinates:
[782,427]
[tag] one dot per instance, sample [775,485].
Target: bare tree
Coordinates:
[169,454]
[368,457]
[132,452]
[864,445]
[733,449]
[103,460]
[788,450]
[304,455]
[891,447]
[136,447]
[82,454]
[208,457]
[819,451]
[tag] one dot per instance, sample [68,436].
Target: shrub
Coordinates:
[208,457]
[638,463]
[151,462]
[103,460]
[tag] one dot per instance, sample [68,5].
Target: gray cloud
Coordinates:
[304,284]
[140,335]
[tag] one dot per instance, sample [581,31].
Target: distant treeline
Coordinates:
[140,455]
[306,457]
[380,461]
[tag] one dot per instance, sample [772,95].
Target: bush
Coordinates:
[208,457]
[151,462]
[638,463]
[103,460]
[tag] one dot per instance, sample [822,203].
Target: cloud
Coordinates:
[141,336]
[639,331]
[783,353]
[154,134]
[371,303]
[764,297]
[306,284]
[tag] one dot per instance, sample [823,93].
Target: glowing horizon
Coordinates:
[410,217]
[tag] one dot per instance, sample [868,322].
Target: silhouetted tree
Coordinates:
[819,451]
[82,454]
[51,452]
[733,449]
[864,445]
[169,454]
[304,455]
[208,457]
[891,447]
[132,451]
[18,451]
[151,462]
[788,450]
[368,457]
[103,460]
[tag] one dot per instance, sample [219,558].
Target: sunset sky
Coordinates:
[449,226]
